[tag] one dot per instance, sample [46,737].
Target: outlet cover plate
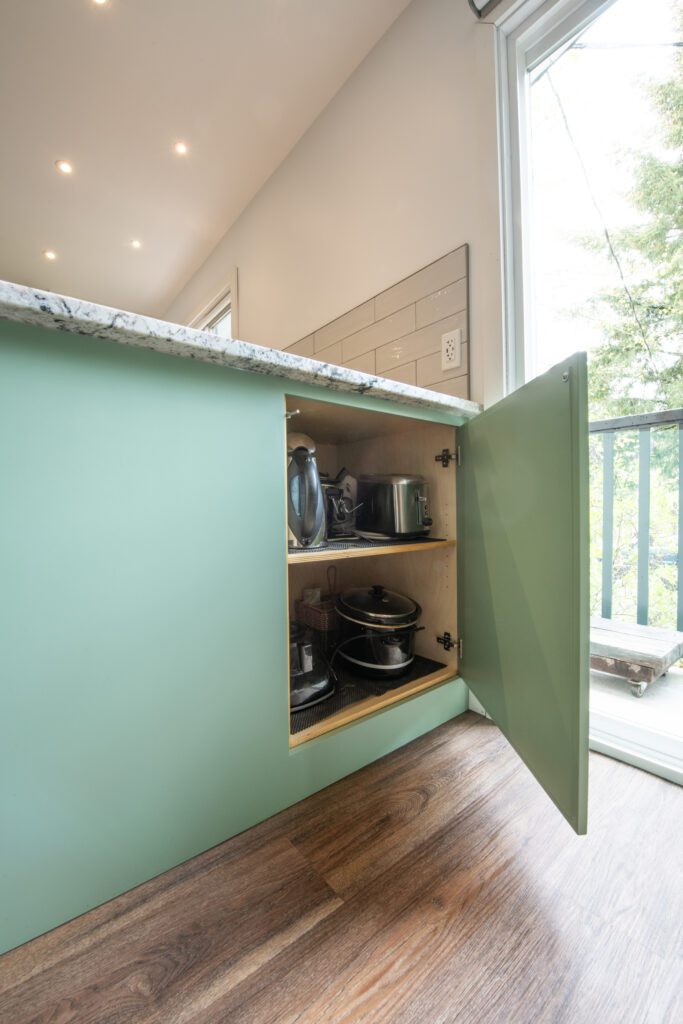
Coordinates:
[451,343]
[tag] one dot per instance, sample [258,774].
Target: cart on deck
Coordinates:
[640,654]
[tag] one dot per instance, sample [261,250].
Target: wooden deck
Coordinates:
[438,885]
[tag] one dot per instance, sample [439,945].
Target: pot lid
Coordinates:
[378,605]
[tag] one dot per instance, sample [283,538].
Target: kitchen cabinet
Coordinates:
[425,570]
[505,583]
[144,606]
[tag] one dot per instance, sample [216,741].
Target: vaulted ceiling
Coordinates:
[111,86]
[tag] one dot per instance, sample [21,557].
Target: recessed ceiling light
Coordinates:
[180,148]
[101,3]
[63,166]
[136,243]
[50,254]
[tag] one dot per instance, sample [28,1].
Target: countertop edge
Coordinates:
[39,308]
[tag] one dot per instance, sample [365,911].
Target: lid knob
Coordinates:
[377,590]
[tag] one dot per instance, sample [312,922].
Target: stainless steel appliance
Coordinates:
[393,506]
[310,680]
[378,631]
[305,500]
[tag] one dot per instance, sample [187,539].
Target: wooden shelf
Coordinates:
[332,555]
[372,704]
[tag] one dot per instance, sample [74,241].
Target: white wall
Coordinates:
[400,168]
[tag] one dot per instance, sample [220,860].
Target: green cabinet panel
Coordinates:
[143,629]
[143,619]
[523,576]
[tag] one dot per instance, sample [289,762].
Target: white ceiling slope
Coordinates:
[110,88]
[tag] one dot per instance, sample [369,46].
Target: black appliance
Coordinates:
[310,679]
[378,631]
[341,519]
[340,507]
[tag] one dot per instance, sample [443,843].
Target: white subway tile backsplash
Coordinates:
[305,347]
[437,275]
[364,363]
[344,325]
[457,386]
[331,354]
[429,368]
[391,327]
[419,343]
[397,334]
[445,302]
[406,374]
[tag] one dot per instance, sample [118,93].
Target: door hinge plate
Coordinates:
[448,643]
[445,457]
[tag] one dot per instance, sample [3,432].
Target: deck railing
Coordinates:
[643,425]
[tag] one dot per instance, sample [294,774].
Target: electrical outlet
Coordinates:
[450,349]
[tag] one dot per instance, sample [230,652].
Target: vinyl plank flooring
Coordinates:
[322,810]
[630,871]
[120,914]
[536,965]
[436,885]
[445,870]
[377,828]
[185,951]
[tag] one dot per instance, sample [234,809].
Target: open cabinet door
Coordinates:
[523,576]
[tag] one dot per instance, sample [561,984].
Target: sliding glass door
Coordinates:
[592,169]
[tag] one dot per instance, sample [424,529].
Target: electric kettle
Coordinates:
[305,500]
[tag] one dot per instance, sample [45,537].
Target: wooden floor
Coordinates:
[436,885]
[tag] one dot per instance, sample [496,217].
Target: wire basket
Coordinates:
[321,615]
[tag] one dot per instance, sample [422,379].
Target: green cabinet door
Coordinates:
[523,576]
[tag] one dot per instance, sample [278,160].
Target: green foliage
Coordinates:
[639,366]
[663,527]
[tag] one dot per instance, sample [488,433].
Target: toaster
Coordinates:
[393,506]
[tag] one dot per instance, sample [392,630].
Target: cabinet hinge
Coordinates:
[445,457]
[449,643]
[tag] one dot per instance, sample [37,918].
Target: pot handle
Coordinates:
[401,632]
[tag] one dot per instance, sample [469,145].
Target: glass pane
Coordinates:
[605,218]
[222,325]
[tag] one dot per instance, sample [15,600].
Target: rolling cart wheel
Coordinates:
[638,689]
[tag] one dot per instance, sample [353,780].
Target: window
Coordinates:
[220,319]
[526,45]
[590,151]
[219,316]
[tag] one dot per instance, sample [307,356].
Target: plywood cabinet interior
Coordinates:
[368,442]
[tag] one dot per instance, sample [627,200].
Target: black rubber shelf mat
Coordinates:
[364,545]
[352,688]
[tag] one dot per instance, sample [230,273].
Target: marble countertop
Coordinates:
[58,312]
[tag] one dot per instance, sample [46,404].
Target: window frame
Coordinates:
[528,36]
[224,301]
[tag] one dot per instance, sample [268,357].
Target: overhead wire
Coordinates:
[605,229]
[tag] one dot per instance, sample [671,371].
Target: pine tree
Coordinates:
[639,367]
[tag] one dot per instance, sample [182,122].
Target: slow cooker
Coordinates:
[378,630]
